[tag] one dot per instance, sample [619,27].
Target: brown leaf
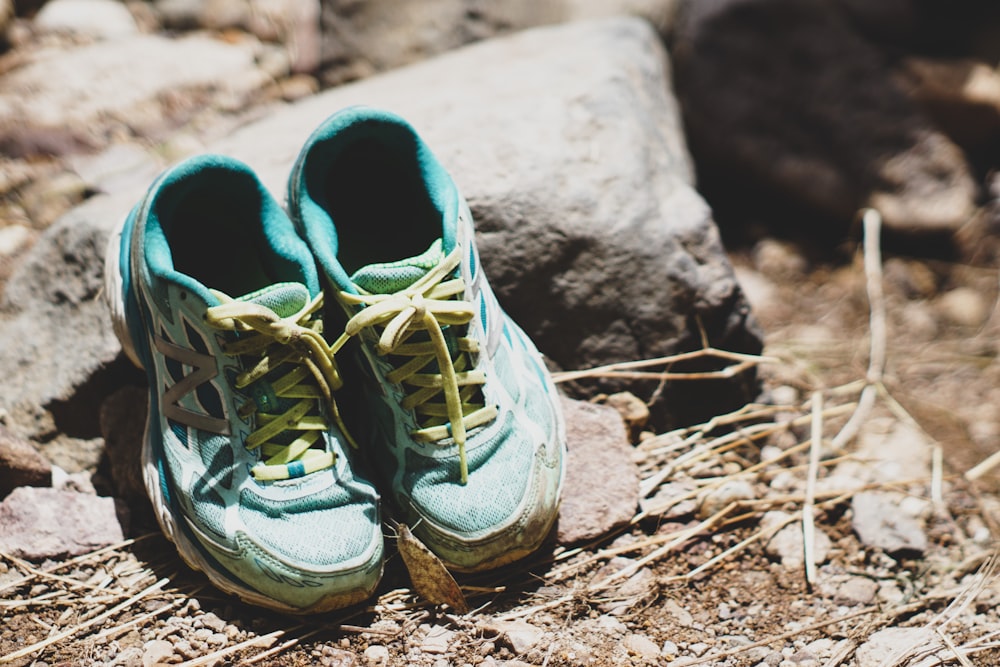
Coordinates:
[430,577]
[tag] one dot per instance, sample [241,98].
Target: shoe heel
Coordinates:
[117,295]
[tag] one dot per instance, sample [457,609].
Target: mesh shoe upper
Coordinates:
[244,462]
[459,413]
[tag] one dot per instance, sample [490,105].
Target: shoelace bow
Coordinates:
[297,341]
[426,305]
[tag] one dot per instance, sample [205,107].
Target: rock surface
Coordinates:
[601,490]
[104,19]
[618,262]
[47,107]
[879,522]
[123,418]
[582,188]
[36,524]
[21,464]
[815,118]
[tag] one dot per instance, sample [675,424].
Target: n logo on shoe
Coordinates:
[204,370]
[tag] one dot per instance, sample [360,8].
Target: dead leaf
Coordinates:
[430,577]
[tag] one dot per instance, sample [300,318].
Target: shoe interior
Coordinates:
[212,223]
[375,191]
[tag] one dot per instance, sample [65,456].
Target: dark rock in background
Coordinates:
[789,108]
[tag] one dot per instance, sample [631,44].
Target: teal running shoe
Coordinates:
[214,294]
[459,414]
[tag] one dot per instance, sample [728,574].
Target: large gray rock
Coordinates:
[785,102]
[571,154]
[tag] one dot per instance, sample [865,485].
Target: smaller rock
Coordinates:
[376,654]
[46,523]
[156,652]
[671,500]
[788,544]
[601,491]
[642,646]
[888,643]
[521,636]
[102,19]
[13,239]
[856,591]
[21,464]
[879,523]
[719,498]
[437,640]
[964,306]
[634,411]
[669,650]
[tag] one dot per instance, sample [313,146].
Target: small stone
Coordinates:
[156,652]
[698,649]
[856,591]
[889,642]
[634,411]
[879,523]
[669,649]
[596,499]
[104,19]
[681,615]
[788,544]
[21,464]
[377,654]
[48,523]
[964,306]
[521,636]
[437,640]
[611,625]
[718,499]
[671,501]
[641,645]
[13,239]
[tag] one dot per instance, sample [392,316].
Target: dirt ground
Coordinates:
[699,577]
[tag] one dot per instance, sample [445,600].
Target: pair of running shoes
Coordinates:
[303,364]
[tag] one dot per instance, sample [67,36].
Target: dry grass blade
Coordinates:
[627,369]
[808,516]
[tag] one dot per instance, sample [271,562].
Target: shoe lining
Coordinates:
[379,203]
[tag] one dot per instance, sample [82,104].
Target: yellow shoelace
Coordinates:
[426,305]
[298,342]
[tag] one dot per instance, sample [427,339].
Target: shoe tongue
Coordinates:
[392,277]
[285,299]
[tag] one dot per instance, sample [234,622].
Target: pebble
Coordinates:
[377,654]
[669,649]
[103,19]
[887,643]
[634,411]
[788,544]
[641,645]
[436,640]
[719,498]
[520,635]
[964,306]
[879,523]
[156,652]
